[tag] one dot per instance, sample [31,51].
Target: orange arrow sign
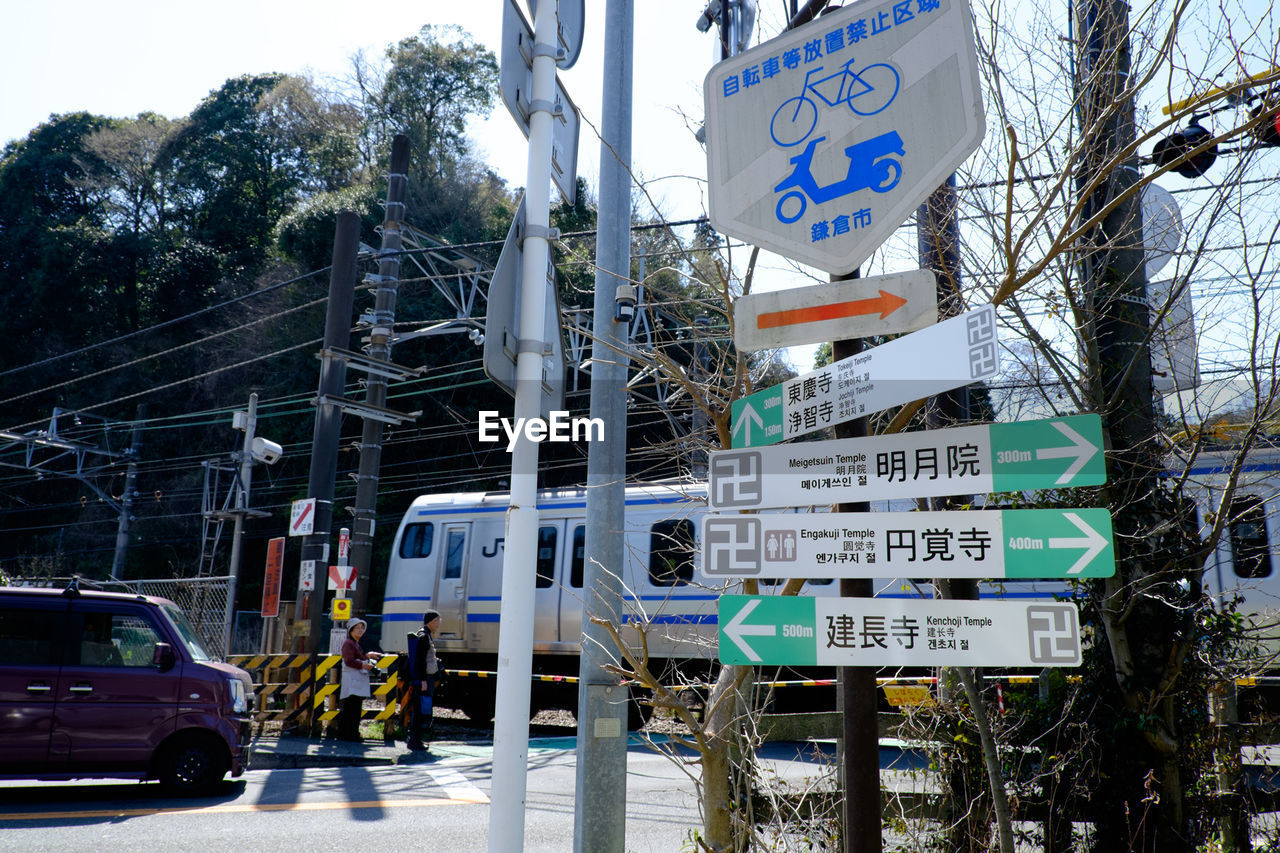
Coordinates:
[884,305]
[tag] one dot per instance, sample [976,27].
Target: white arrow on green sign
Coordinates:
[1014,457]
[802,630]
[952,354]
[1010,543]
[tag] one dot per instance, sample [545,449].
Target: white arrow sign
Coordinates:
[1004,457]
[1092,543]
[737,630]
[1010,543]
[1080,451]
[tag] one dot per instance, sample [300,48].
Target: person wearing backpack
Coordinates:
[424,669]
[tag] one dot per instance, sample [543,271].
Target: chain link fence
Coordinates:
[203,600]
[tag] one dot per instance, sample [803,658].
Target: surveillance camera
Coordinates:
[624,303]
[266,451]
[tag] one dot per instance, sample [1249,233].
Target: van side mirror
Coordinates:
[163,657]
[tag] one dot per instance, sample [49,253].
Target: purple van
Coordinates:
[99,684]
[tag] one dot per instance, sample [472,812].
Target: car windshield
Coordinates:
[194,644]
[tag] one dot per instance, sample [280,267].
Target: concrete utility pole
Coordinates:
[241,508]
[599,812]
[130,493]
[515,637]
[378,350]
[324,452]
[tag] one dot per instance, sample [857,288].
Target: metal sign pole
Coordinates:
[515,640]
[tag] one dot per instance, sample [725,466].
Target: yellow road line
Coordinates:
[238,808]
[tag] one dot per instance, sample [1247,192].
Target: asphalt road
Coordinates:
[436,805]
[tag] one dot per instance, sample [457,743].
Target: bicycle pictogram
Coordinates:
[866,92]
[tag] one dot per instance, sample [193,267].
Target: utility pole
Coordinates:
[515,638]
[1141,627]
[379,350]
[599,811]
[241,508]
[130,493]
[328,425]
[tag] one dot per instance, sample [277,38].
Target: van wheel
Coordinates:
[192,766]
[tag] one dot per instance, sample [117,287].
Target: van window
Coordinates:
[28,637]
[546,562]
[671,552]
[416,541]
[579,556]
[1249,552]
[116,639]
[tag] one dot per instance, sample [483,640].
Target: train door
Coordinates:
[451,583]
[571,600]
[546,596]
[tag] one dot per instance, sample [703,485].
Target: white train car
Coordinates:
[448,551]
[447,556]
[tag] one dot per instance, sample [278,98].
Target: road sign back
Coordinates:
[822,141]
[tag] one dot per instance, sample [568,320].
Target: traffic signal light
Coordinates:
[1266,115]
[1175,148]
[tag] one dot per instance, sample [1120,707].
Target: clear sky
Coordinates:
[122,57]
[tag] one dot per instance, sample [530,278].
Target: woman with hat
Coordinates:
[356,664]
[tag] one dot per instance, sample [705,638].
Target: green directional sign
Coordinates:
[806,631]
[773,627]
[757,419]
[952,354]
[1056,453]
[1011,543]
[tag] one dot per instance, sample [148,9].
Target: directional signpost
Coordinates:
[1010,457]
[1009,543]
[516,84]
[502,324]
[949,355]
[821,142]
[881,305]
[806,631]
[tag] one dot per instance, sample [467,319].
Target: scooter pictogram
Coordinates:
[872,165]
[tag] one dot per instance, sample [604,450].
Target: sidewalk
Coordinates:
[297,752]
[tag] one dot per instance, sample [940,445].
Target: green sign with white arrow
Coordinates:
[1010,543]
[952,354]
[803,630]
[1056,453]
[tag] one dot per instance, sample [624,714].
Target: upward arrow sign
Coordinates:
[743,423]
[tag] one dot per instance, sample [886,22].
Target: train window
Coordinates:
[453,558]
[416,541]
[546,562]
[671,552]
[1249,552]
[579,556]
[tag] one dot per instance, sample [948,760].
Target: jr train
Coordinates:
[448,553]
